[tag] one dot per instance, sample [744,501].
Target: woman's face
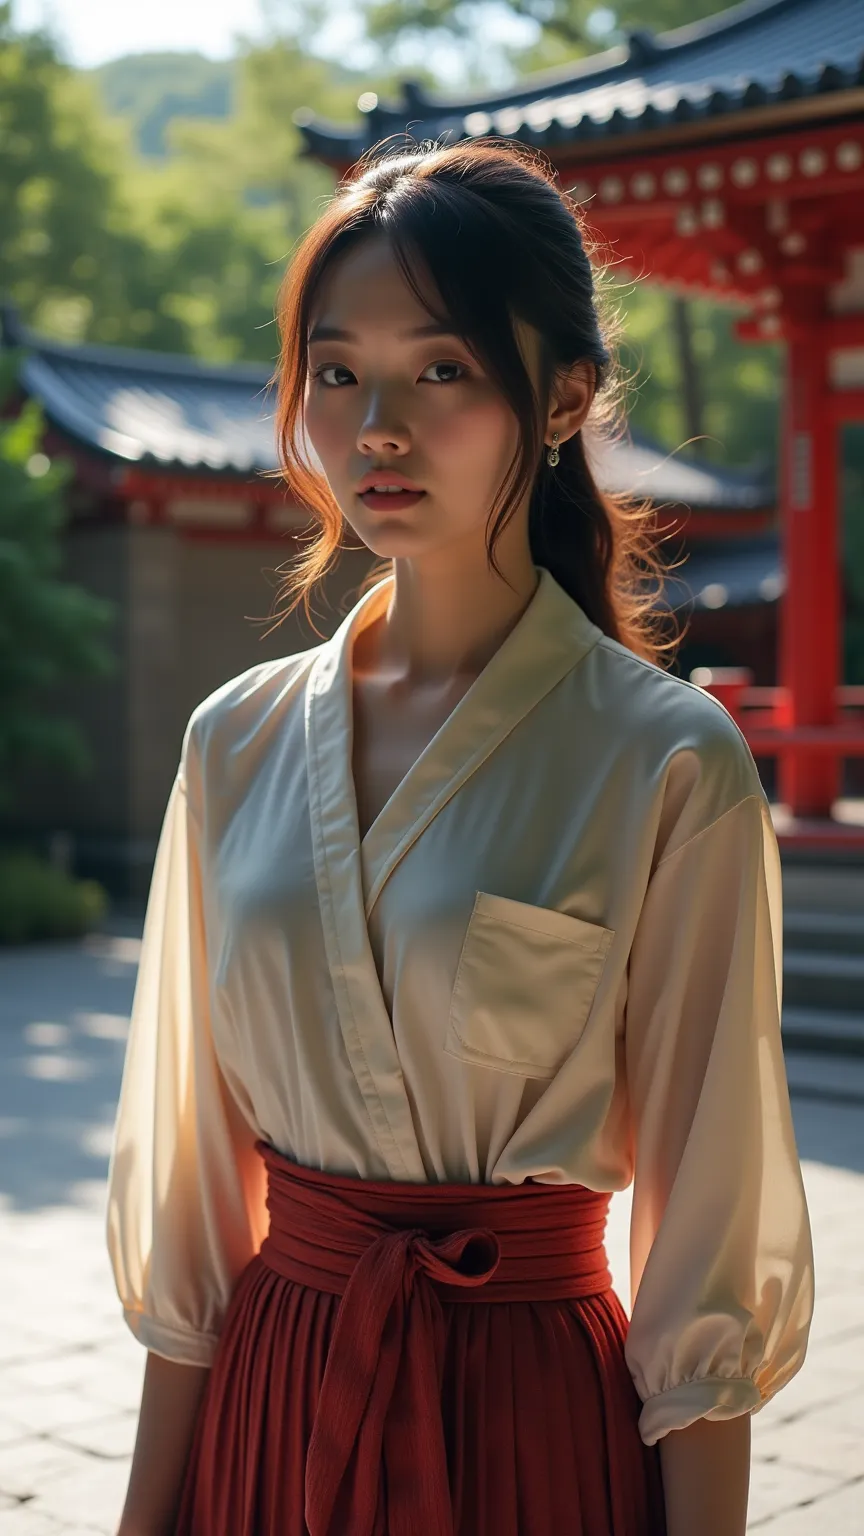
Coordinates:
[385,397]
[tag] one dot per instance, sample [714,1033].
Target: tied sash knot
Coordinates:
[382,1380]
[378,1413]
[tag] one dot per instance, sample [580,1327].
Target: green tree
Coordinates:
[739,382]
[68,258]
[183,253]
[49,629]
[224,209]
[565,29]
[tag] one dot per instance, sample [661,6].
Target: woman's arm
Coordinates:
[706,1477]
[169,1407]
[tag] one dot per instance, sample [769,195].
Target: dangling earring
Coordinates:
[552,454]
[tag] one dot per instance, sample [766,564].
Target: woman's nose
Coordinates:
[382,428]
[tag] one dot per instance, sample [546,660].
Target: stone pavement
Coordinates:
[70,1373]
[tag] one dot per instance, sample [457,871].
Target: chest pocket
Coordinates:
[524,987]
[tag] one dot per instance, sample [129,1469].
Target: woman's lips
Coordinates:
[379,501]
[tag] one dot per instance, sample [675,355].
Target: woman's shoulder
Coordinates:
[676,712]
[244,705]
[683,742]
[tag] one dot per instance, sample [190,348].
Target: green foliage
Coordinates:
[564,27]
[182,253]
[223,212]
[40,902]
[49,629]
[740,381]
[69,258]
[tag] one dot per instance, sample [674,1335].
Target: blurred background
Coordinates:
[158,163]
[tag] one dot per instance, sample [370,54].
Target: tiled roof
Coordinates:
[645,468]
[757,54]
[727,573]
[155,408]
[179,414]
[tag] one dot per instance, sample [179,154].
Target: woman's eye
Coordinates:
[460,366]
[460,371]
[330,368]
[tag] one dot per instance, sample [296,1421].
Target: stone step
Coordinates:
[839,933]
[825,888]
[832,1079]
[815,978]
[818,1031]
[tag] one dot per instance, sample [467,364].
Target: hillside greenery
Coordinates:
[150,90]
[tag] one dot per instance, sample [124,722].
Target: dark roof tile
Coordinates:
[761,52]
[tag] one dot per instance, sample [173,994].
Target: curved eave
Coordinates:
[332,145]
[744,573]
[73,418]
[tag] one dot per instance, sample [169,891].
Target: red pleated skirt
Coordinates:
[409,1359]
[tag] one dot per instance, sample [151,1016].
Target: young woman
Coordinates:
[460,921]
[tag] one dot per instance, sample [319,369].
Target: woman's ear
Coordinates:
[573,392]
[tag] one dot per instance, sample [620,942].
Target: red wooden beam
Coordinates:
[148,484]
[846,405]
[844,330]
[827,741]
[810,615]
[822,162]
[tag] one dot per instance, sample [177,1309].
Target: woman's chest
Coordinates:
[389,736]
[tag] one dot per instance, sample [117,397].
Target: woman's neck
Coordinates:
[438,628]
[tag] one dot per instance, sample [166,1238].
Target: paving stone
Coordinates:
[814,1386]
[812,1443]
[93,1497]
[779,1487]
[30,1466]
[845,1414]
[837,1316]
[837,1514]
[43,1412]
[26,1521]
[112,1437]
[18,1342]
[10,1431]
[59,1370]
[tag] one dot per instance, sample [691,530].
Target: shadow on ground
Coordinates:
[64,1016]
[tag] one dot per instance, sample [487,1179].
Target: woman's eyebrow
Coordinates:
[335,333]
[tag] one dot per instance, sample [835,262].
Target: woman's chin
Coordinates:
[394,539]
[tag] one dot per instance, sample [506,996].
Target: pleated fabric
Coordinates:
[406,1359]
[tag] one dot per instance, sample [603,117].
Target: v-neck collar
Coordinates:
[550,637]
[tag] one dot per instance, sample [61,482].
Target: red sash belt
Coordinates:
[394,1251]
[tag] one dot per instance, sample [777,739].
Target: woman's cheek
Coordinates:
[325,433]
[482,431]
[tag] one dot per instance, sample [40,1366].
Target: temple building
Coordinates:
[726,159]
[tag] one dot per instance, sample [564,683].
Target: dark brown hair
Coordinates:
[499,239]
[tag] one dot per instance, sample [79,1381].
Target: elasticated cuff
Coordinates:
[178,1344]
[711,1397]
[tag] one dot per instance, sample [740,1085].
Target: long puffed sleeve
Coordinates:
[720,1247]
[186,1189]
